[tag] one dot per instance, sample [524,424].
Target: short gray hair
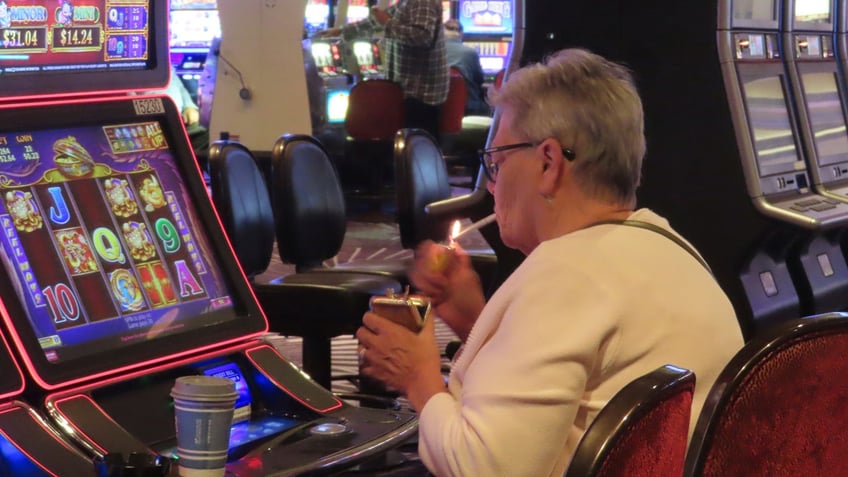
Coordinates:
[590,105]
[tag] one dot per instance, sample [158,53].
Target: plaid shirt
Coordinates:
[414,48]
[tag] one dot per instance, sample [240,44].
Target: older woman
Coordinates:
[597,302]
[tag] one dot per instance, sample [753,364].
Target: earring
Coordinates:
[548,199]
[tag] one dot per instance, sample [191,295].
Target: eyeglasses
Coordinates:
[491,168]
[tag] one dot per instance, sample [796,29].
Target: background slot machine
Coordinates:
[328,83]
[317,17]
[367,57]
[760,74]
[357,10]
[115,274]
[819,268]
[488,27]
[194,25]
[29,445]
[362,57]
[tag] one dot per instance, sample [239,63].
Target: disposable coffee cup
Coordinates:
[203,409]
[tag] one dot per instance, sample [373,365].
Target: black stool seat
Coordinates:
[395,269]
[320,303]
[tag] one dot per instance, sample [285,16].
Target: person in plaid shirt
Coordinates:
[415,56]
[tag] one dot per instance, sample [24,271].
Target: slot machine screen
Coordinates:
[487,18]
[357,10]
[812,11]
[53,47]
[337,102]
[365,55]
[771,130]
[111,254]
[189,4]
[753,13]
[194,30]
[324,55]
[317,16]
[827,120]
[493,54]
[446,11]
[757,10]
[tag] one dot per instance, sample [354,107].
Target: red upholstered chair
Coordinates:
[642,430]
[450,121]
[374,115]
[453,110]
[780,407]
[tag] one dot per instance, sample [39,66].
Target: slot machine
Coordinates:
[328,85]
[115,274]
[801,254]
[365,59]
[317,17]
[488,27]
[362,58]
[194,25]
[818,267]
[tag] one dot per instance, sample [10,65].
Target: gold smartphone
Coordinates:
[407,310]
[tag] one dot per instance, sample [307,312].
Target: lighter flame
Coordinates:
[455,229]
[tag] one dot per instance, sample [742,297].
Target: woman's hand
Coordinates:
[448,279]
[403,360]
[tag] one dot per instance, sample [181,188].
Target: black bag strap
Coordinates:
[655,228]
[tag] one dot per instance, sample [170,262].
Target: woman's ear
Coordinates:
[553,166]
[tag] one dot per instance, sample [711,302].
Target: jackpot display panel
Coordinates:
[52,47]
[107,257]
[486,17]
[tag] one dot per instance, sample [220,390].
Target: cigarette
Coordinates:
[475,226]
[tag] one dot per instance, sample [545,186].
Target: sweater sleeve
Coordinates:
[520,392]
[415,25]
[361,29]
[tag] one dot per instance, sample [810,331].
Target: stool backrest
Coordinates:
[241,197]
[780,407]
[453,110]
[642,431]
[421,178]
[309,206]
